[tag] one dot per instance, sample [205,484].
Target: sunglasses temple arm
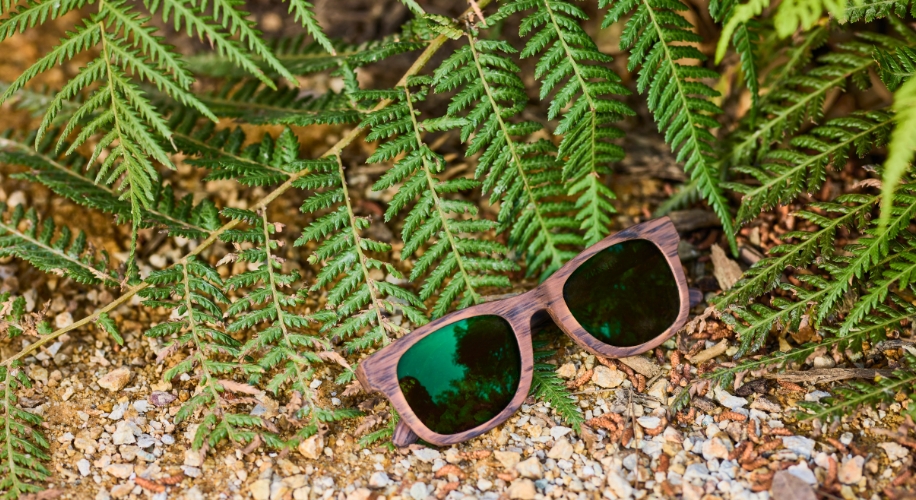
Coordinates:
[696,296]
[403,435]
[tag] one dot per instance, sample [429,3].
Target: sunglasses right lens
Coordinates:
[462,374]
[624,295]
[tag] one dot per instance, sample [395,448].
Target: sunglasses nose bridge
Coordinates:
[363,378]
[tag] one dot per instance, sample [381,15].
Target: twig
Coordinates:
[822,375]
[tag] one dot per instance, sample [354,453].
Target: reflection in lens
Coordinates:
[461,375]
[624,295]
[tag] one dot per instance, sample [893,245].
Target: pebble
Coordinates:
[508,458]
[63,320]
[427,455]
[419,491]
[649,422]
[123,435]
[787,486]
[484,484]
[851,470]
[522,489]
[121,471]
[379,480]
[567,371]
[260,489]
[83,467]
[763,404]
[192,458]
[311,447]
[824,362]
[715,448]
[562,450]
[145,441]
[559,431]
[115,380]
[607,378]
[802,472]
[799,444]
[167,439]
[729,401]
[121,490]
[142,406]
[160,398]
[894,451]
[530,468]
[618,485]
[659,390]
[816,396]
[846,438]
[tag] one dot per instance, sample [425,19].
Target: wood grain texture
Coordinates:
[523,312]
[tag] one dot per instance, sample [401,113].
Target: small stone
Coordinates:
[312,447]
[659,390]
[160,398]
[484,484]
[120,471]
[715,448]
[63,320]
[85,444]
[419,491]
[786,486]
[142,406]
[360,494]
[129,452]
[522,489]
[851,470]
[649,422]
[567,371]
[824,362]
[763,404]
[846,438]
[190,471]
[379,480]
[562,450]
[607,378]
[167,439]
[729,401]
[427,454]
[508,458]
[816,396]
[260,489]
[799,445]
[39,373]
[121,490]
[115,380]
[123,435]
[559,431]
[192,458]
[83,467]
[894,451]
[802,472]
[145,441]
[530,468]
[619,485]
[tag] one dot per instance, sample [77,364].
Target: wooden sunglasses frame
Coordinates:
[379,371]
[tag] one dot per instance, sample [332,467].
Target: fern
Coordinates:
[547,386]
[899,151]
[870,10]
[361,304]
[253,103]
[24,446]
[524,177]
[23,235]
[193,290]
[453,253]
[572,68]
[793,15]
[656,34]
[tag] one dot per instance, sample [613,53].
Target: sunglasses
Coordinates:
[465,373]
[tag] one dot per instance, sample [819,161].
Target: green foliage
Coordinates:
[899,150]
[252,102]
[359,304]
[659,40]
[524,177]
[193,291]
[456,249]
[49,249]
[793,15]
[24,446]
[549,387]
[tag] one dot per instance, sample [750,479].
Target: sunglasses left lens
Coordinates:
[462,374]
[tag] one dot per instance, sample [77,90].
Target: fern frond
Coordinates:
[24,236]
[193,290]
[576,73]
[899,150]
[251,102]
[802,168]
[792,15]
[898,271]
[361,304]
[659,38]
[871,10]
[550,388]
[525,178]
[302,12]
[23,444]
[453,253]
[33,13]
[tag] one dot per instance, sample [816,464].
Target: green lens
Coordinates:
[462,374]
[624,295]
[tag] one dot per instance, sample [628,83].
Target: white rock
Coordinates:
[484,484]
[83,466]
[607,378]
[714,448]
[530,468]
[816,396]
[379,480]
[115,380]
[260,489]
[802,472]
[311,447]
[559,431]
[562,450]
[123,435]
[508,458]
[63,320]
[649,422]
[824,362]
[567,371]
[618,485]
[846,438]
[121,490]
[192,458]
[120,471]
[659,390]
[419,491]
[522,489]
[729,401]
[427,454]
[142,406]
[851,470]
[763,404]
[799,445]
[894,451]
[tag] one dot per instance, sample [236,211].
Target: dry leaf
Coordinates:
[726,271]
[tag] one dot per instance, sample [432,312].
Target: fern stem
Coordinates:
[206,377]
[415,68]
[303,382]
[442,216]
[10,459]
[557,258]
[843,405]
[215,151]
